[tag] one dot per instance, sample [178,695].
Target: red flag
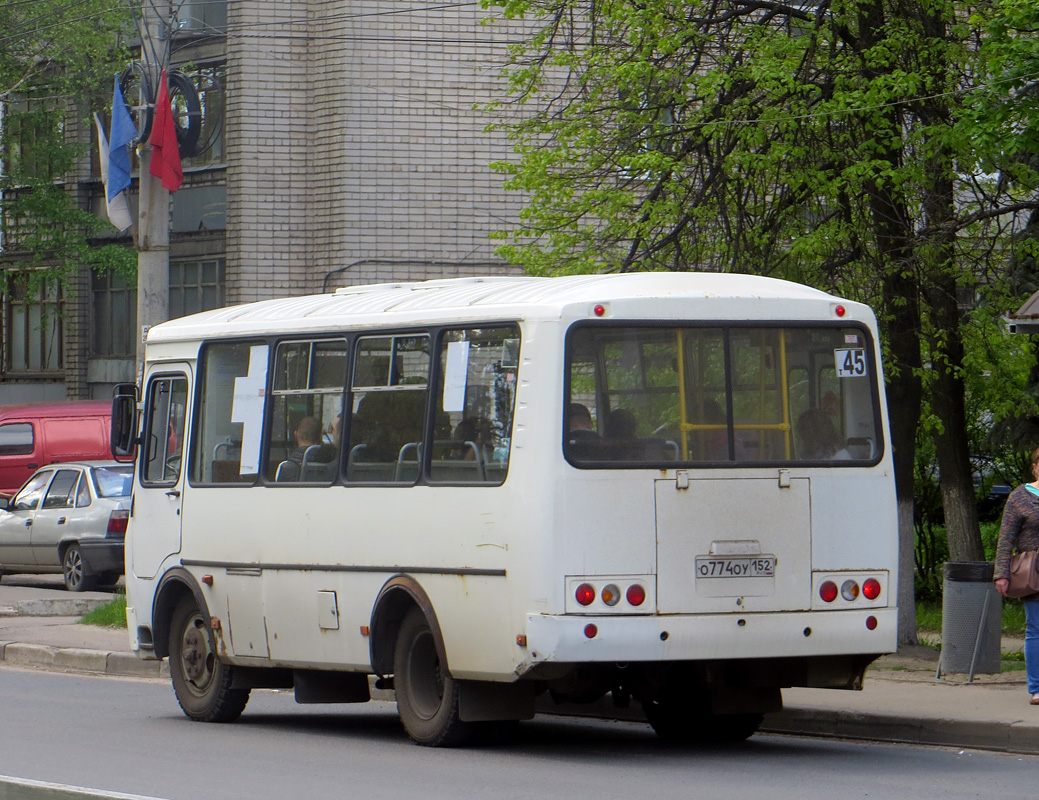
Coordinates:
[165,151]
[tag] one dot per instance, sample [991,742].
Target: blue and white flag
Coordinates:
[123,133]
[118,210]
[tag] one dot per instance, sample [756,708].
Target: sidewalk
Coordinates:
[901,702]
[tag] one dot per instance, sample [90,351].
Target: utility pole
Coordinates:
[153,222]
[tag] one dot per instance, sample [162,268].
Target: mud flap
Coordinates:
[487,701]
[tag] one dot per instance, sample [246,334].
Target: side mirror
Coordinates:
[124,437]
[4,503]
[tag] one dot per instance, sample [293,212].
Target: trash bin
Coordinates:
[972,619]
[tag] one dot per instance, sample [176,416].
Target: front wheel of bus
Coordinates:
[427,696]
[201,682]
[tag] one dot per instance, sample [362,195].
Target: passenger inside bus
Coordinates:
[819,438]
[307,435]
[580,425]
[621,441]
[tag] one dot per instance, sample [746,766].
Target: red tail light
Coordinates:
[117,521]
[585,594]
[636,594]
[828,591]
[871,589]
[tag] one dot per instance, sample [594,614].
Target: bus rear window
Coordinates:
[715,395]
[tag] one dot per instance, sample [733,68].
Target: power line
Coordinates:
[27,32]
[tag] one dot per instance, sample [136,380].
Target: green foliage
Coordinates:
[749,141]
[929,616]
[57,61]
[110,615]
[861,147]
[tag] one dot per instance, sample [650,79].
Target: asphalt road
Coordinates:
[129,736]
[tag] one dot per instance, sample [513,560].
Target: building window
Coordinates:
[34,132]
[196,286]
[32,314]
[115,316]
[209,81]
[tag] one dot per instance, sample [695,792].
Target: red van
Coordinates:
[34,434]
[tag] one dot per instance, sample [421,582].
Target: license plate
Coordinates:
[743,567]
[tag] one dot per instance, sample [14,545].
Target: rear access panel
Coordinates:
[733,545]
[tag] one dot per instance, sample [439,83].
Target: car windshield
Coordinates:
[114,481]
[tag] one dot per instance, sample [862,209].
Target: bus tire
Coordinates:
[201,681]
[427,696]
[686,723]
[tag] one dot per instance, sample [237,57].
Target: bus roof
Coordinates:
[463,299]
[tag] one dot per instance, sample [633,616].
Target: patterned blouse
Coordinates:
[1020,528]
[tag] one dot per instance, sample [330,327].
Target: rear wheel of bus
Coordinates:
[690,721]
[427,696]
[201,682]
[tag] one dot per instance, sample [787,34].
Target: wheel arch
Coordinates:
[64,545]
[174,585]
[397,596]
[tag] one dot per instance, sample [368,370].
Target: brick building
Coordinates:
[347,147]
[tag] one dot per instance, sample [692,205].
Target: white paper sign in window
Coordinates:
[247,408]
[456,374]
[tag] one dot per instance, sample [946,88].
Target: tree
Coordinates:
[57,60]
[854,146]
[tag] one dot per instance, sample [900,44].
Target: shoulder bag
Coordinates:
[1024,574]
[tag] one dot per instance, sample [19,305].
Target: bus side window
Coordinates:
[164,434]
[389,390]
[476,398]
[229,422]
[302,442]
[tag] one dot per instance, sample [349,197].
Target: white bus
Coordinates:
[497,494]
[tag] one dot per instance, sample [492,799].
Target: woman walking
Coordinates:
[1019,533]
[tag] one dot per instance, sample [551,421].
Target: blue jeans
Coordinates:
[1032,645]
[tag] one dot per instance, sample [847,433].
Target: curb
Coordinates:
[72,659]
[64,607]
[1017,738]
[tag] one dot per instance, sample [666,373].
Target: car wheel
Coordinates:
[427,696]
[74,571]
[201,681]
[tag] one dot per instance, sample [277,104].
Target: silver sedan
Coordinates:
[68,518]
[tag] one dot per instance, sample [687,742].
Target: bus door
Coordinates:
[733,545]
[157,508]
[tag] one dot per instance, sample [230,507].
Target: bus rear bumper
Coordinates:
[709,637]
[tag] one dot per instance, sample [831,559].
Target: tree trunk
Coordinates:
[947,400]
[893,232]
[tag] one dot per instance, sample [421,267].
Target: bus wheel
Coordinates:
[427,697]
[201,682]
[691,723]
[735,727]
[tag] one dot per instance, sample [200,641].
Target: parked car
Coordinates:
[35,434]
[68,518]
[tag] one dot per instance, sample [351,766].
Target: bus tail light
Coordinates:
[871,589]
[610,594]
[117,521]
[849,590]
[828,591]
